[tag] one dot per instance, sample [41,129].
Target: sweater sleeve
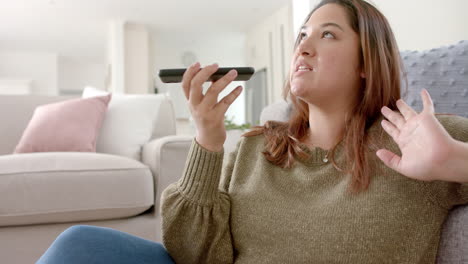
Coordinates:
[458,129]
[196,213]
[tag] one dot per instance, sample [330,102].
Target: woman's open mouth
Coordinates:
[303,69]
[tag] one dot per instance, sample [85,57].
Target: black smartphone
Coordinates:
[175,75]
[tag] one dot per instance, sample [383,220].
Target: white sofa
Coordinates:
[41,194]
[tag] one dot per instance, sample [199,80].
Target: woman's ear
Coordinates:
[363,75]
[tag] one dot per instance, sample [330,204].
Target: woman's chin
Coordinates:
[300,90]
[296,93]
[306,95]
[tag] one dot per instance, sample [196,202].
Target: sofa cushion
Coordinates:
[443,72]
[277,111]
[131,121]
[54,127]
[54,187]
[22,108]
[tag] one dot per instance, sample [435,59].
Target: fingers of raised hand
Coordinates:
[391,129]
[196,83]
[188,76]
[405,110]
[428,105]
[394,117]
[389,158]
[224,104]
[211,96]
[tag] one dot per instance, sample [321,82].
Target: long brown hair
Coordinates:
[382,65]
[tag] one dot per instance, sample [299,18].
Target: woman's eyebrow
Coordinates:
[328,24]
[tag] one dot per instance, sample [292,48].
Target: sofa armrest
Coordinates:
[454,238]
[166,158]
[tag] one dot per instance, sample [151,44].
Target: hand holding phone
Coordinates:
[175,75]
[207,108]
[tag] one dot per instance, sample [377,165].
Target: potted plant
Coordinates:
[233,133]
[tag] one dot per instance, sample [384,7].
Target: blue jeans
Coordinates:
[95,245]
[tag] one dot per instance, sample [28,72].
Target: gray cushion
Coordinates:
[53,187]
[444,73]
[278,111]
[453,247]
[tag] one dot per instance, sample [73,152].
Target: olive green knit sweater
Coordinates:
[251,211]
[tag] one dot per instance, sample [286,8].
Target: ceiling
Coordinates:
[80,27]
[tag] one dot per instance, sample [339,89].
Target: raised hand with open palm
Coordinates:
[424,143]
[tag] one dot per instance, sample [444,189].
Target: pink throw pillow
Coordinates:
[71,125]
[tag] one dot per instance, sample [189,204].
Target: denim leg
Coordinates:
[96,245]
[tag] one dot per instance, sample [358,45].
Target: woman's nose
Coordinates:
[306,48]
[305,53]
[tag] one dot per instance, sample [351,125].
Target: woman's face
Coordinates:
[326,66]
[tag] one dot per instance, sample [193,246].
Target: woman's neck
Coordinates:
[326,126]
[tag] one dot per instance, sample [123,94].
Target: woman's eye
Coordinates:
[327,34]
[302,36]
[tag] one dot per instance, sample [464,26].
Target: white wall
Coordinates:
[270,45]
[74,75]
[300,10]
[419,24]
[426,24]
[225,48]
[39,67]
[115,75]
[136,58]
[129,65]
[51,74]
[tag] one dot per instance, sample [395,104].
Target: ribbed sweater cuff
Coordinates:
[202,174]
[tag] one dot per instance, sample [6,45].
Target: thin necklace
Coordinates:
[326,158]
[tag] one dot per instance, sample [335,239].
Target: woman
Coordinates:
[313,189]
